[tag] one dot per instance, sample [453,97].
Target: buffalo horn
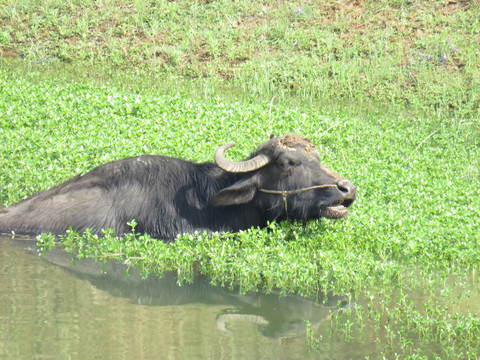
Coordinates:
[241,166]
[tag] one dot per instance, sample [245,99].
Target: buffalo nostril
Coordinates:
[347,188]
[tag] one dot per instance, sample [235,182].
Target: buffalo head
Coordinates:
[286,180]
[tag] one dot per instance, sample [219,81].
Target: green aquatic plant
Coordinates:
[413,227]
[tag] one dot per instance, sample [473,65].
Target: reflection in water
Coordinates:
[78,310]
[275,316]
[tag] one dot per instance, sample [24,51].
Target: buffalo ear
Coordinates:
[239,193]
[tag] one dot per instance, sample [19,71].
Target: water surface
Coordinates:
[51,310]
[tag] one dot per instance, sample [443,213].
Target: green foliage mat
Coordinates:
[416,220]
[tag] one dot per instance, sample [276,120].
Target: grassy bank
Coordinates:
[419,54]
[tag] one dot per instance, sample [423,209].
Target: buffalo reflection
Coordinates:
[275,316]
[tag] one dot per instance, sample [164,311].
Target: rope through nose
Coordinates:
[289,192]
[285,193]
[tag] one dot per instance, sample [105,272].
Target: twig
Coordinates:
[421,143]
[331,127]
[270,116]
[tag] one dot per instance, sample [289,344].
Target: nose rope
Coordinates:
[285,193]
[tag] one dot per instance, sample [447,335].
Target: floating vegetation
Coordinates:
[407,257]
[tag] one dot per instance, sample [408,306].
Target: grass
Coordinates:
[83,83]
[420,54]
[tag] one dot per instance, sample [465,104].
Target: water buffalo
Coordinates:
[282,179]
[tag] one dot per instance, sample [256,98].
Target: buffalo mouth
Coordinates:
[336,211]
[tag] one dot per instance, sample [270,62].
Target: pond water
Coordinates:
[51,310]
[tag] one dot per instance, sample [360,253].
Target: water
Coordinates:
[51,310]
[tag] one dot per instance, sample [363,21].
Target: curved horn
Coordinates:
[241,166]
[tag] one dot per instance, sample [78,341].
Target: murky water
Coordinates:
[50,310]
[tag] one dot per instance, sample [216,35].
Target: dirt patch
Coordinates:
[293,143]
